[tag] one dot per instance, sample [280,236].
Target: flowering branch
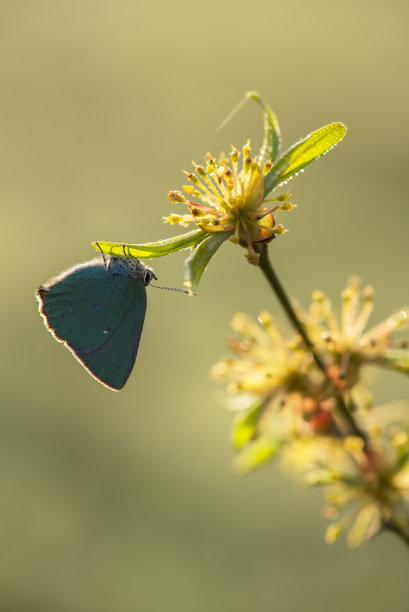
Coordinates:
[305,397]
[265,265]
[351,427]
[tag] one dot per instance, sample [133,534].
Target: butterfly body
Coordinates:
[97,309]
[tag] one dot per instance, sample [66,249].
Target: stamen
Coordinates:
[267,166]
[200,171]
[235,238]
[200,206]
[234,155]
[269,211]
[191,191]
[222,186]
[350,298]
[192,178]
[365,313]
[176,196]
[213,194]
[252,256]
[247,164]
[247,149]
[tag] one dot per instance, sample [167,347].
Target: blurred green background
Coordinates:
[127,501]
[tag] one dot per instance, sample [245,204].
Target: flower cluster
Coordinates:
[365,490]
[229,199]
[286,405]
[345,343]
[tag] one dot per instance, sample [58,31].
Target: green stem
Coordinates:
[348,420]
[274,282]
[397,530]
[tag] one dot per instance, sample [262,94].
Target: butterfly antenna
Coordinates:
[169,288]
[102,253]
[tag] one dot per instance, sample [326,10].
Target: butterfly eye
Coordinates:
[148,275]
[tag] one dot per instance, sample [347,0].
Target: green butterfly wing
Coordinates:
[97,311]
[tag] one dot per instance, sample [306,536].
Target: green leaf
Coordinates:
[150,250]
[367,524]
[303,153]
[396,359]
[198,260]
[272,134]
[245,426]
[256,454]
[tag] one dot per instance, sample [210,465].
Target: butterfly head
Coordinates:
[132,266]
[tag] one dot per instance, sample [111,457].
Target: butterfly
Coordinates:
[97,310]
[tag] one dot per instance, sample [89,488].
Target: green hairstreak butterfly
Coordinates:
[97,309]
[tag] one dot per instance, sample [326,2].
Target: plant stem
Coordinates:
[397,530]
[274,282]
[347,418]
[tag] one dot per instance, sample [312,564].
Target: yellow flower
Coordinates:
[344,341]
[276,388]
[226,199]
[366,488]
[266,363]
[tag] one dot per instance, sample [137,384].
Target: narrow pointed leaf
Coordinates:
[303,153]
[256,454]
[396,359]
[244,427]
[198,260]
[151,250]
[367,524]
[272,134]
